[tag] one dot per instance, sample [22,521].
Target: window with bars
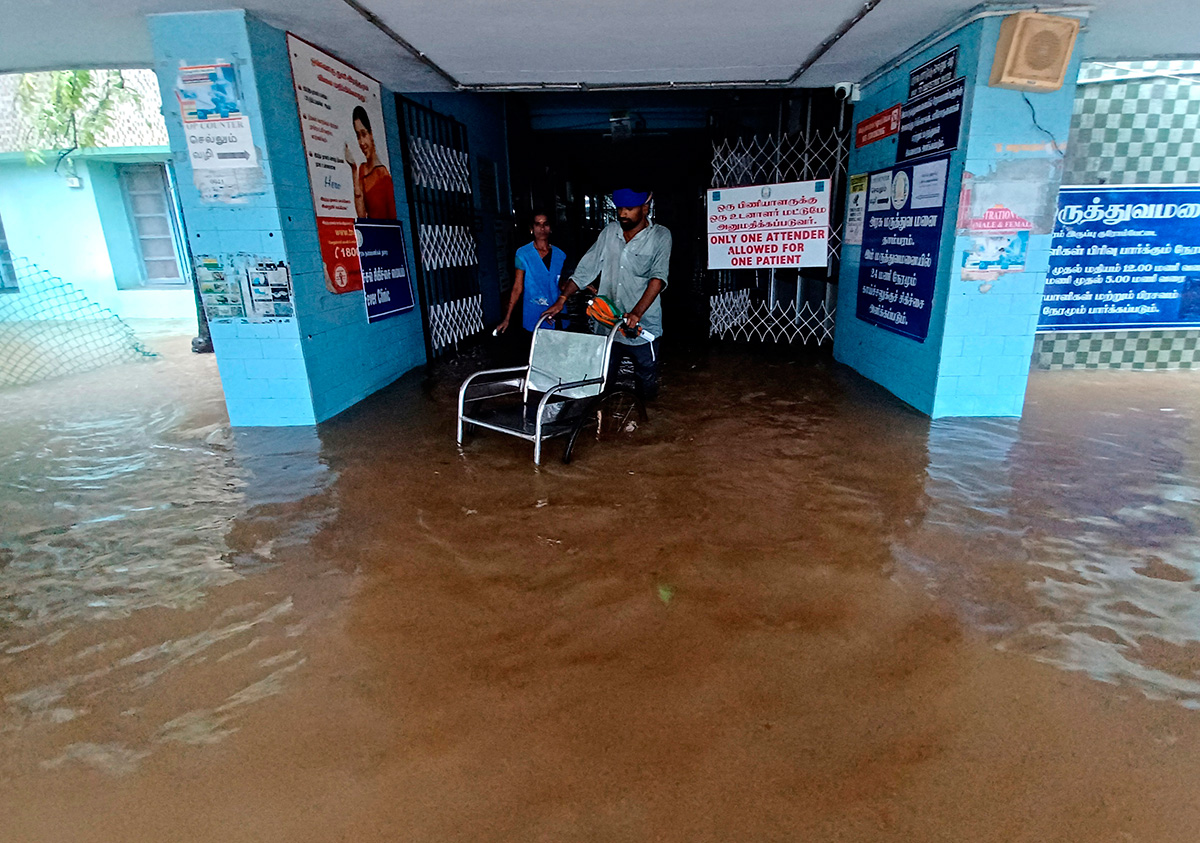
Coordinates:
[8,274]
[156,223]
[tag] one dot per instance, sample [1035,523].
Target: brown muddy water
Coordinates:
[789,609]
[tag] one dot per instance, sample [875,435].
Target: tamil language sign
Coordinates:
[933,74]
[877,127]
[387,286]
[771,225]
[217,134]
[216,129]
[930,124]
[1124,257]
[901,239]
[341,124]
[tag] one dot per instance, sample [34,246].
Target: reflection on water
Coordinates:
[721,588]
[718,630]
[1072,534]
[122,495]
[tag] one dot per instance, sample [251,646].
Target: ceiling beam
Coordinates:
[375,21]
[500,87]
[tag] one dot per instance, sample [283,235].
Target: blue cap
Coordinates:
[626,198]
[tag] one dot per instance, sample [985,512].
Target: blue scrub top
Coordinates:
[541,284]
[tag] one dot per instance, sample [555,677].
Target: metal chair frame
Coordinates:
[587,389]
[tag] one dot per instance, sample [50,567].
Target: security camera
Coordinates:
[846,91]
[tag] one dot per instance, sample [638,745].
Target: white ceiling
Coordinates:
[589,41]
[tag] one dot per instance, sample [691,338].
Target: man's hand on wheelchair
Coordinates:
[554,309]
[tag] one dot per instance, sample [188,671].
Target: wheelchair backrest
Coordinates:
[561,357]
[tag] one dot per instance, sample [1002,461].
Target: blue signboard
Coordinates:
[902,232]
[933,74]
[386,282]
[1124,257]
[930,124]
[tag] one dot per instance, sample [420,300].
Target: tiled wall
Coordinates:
[296,371]
[263,374]
[1133,123]
[1118,350]
[975,360]
[246,352]
[346,358]
[905,367]
[990,327]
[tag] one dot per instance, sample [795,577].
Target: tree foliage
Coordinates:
[68,110]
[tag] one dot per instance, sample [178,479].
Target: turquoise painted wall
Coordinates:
[303,370]
[82,235]
[990,327]
[976,357]
[42,215]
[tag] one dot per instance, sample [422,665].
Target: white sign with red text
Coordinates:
[769,225]
[345,141]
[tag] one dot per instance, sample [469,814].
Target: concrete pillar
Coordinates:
[1000,190]
[287,370]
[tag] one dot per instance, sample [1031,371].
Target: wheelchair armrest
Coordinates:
[462,390]
[563,387]
[554,390]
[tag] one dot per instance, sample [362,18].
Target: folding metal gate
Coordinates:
[744,303]
[438,174]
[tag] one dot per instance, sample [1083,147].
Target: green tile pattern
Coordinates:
[1118,350]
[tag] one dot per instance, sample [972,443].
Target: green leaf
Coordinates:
[67,110]
[665,593]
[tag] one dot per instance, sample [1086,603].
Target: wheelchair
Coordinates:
[564,391]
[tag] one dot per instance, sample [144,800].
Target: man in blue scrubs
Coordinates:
[631,257]
[538,267]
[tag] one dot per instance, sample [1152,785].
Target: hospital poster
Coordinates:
[217,134]
[1124,257]
[220,288]
[856,209]
[901,241]
[931,123]
[997,243]
[387,286]
[270,287]
[349,169]
[769,226]
[216,129]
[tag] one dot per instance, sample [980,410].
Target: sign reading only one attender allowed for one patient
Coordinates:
[770,225]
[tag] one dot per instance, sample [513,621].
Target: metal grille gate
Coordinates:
[438,174]
[744,303]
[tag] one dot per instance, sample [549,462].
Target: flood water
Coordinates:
[787,609]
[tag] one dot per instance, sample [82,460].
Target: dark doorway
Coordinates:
[574,175]
[569,151]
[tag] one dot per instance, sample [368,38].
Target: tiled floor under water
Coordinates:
[788,609]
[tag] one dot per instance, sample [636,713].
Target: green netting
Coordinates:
[48,328]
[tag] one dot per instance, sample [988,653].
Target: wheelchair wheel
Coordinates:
[613,417]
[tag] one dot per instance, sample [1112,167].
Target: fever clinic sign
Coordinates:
[769,226]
